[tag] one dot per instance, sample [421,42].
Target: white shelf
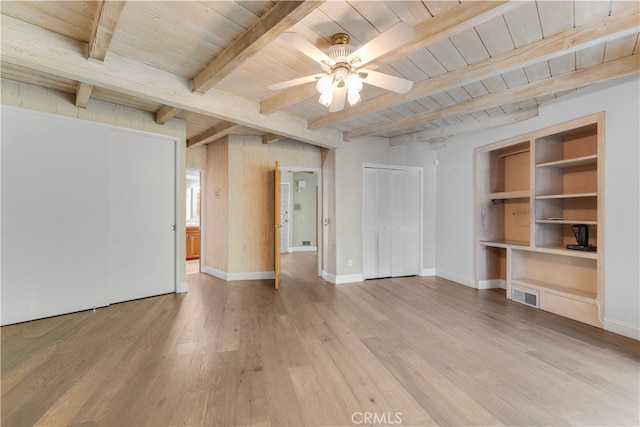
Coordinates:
[568,163]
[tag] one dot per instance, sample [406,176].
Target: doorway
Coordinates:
[301,225]
[193,223]
[285,196]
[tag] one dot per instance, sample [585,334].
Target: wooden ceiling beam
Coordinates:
[452,21]
[282,16]
[465,127]
[288,97]
[270,138]
[103,27]
[573,80]
[215,133]
[582,37]
[36,48]
[166,113]
[83,93]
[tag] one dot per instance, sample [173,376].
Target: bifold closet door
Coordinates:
[385,211]
[413,212]
[390,223]
[398,207]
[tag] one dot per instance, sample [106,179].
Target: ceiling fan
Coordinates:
[343,76]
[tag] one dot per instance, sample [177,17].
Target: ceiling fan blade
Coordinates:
[394,37]
[339,96]
[385,81]
[295,82]
[306,47]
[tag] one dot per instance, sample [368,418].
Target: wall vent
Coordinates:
[524,297]
[306,243]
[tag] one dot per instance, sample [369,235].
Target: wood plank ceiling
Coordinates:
[474,64]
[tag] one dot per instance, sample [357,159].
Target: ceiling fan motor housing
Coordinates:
[340,52]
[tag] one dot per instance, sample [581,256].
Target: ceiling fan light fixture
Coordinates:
[353,97]
[325,84]
[354,83]
[341,62]
[326,98]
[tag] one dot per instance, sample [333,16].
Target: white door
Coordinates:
[398,230]
[385,222]
[142,216]
[55,220]
[391,210]
[284,217]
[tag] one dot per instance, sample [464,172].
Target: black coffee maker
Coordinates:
[581,232]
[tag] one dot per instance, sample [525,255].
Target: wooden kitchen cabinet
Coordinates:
[193,243]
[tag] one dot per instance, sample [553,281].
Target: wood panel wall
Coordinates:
[216,200]
[196,157]
[250,189]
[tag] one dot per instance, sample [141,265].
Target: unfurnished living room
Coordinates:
[324,213]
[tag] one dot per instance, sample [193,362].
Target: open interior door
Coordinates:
[278,224]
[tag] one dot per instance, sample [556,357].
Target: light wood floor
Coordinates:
[193,266]
[421,350]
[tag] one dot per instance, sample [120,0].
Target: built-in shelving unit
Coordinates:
[531,191]
[503,195]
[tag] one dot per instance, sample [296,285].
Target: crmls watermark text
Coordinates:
[375,418]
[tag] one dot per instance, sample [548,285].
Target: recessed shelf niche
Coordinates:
[531,191]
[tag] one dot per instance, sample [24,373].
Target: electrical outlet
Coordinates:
[350,263]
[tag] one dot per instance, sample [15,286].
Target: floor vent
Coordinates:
[524,297]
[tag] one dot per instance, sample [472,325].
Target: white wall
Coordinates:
[419,154]
[455,190]
[349,159]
